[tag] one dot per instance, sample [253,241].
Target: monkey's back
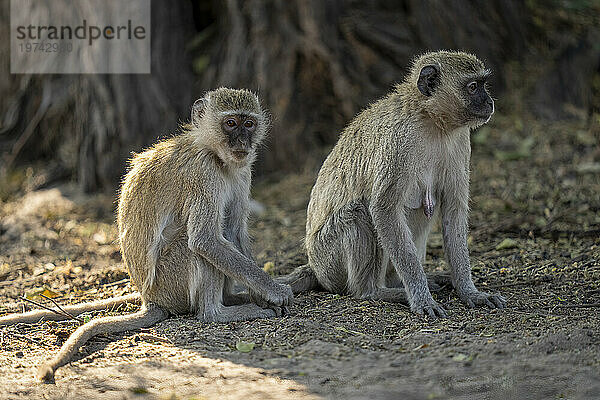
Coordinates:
[152,205]
[364,149]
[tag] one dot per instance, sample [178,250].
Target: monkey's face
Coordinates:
[231,123]
[478,102]
[239,130]
[454,88]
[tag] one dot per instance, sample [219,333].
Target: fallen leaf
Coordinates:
[507,243]
[269,267]
[462,357]
[244,347]
[4,270]
[42,292]
[588,168]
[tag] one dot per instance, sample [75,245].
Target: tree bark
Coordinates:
[92,122]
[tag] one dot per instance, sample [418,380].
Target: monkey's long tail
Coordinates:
[147,316]
[46,315]
[302,279]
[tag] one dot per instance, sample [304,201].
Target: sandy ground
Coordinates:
[535,237]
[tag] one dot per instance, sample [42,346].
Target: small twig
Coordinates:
[503,285]
[58,312]
[153,338]
[590,305]
[62,309]
[116,283]
[34,341]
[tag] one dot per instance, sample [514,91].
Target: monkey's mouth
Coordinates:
[240,154]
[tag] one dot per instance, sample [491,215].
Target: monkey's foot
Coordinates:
[473,299]
[429,308]
[280,311]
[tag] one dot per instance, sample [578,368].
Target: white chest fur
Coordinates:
[438,165]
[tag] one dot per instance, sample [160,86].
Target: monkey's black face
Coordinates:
[239,130]
[479,102]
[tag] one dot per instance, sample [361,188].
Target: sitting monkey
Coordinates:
[182,217]
[399,163]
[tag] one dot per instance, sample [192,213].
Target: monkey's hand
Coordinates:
[276,294]
[477,298]
[427,306]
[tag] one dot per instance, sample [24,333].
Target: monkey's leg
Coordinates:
[76,309]
[211,287]
[236,299]
[232,295]
[349,257]
[435,281]
[233,298]
[420,227]
[396,239]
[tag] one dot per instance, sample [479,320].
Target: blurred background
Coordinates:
[315,64]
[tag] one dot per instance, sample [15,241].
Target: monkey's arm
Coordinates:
[395,237]
[237,233]
[239,226]
[454,213]
[205,238]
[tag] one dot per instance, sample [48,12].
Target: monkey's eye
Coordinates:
[249,123]
[472,87]
[231,123]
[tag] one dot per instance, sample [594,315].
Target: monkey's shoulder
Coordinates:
[174,164]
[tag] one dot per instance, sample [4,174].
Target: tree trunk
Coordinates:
[317,63]
[90,123]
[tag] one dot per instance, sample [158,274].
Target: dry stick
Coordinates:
[61,309]
[46,308]
[503,285]
[116,283]
[34,341]
[590,305]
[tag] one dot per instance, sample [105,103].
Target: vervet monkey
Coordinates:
[182,218]
[400,163]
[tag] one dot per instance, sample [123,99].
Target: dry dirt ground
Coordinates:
[535,237]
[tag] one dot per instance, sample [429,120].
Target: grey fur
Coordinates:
[400,163]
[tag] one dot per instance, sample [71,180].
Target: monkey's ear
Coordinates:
[198,109]
[428,79]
